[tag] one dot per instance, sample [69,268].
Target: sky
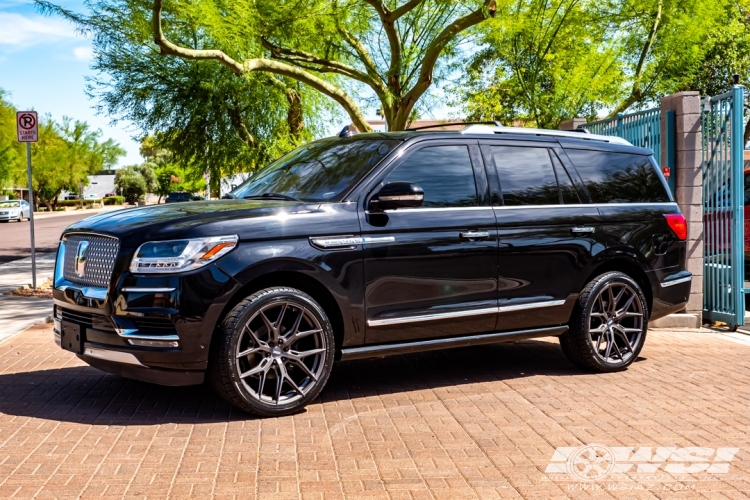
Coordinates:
[44,64]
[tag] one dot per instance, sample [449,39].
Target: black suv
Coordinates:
[379,244]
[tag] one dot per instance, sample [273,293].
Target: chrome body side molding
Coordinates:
[446,343]
[463,313]
[665,284]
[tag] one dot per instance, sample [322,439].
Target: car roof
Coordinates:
[567,139]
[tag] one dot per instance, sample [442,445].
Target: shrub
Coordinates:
[114,200]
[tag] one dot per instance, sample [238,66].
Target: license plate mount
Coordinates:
[71,338]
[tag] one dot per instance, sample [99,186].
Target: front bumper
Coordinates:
[9,217]
[152,328]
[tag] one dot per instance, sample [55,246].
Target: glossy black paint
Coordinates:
[530,254]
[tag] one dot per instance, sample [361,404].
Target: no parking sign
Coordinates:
[27,125]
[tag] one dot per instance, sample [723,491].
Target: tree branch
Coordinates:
[258,64]
[294,56]
[434,49]
[636,94]
[376,83]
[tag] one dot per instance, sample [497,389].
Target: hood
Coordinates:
[192,219]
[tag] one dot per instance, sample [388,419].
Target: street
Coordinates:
[14,236]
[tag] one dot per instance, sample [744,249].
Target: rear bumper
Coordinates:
[671,291]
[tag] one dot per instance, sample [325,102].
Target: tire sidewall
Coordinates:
[234,333]
[600,283]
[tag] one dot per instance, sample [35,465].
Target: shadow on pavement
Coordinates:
[86,395]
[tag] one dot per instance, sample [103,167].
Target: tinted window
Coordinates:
[526,176]
[618,177]
[319,171]
[568,193]
[443,172]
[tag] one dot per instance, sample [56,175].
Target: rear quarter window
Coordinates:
[619,177]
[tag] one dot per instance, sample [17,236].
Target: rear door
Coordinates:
[432,271]
[548,235]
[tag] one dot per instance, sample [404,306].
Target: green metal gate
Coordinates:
[723,208]
[642,129]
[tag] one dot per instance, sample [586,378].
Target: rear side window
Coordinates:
[527,177]
[443,172]
[618,177]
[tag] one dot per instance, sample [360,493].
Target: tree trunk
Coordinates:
[295,117]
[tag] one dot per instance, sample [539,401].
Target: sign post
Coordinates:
[27,125]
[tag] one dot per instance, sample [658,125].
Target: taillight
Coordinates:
[677,224]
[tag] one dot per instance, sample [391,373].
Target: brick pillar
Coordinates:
[571,124]
[688,182]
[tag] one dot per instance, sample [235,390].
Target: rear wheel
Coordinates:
[273,353]
[608,326]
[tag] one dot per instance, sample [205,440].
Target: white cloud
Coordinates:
[83,53]
[18,31]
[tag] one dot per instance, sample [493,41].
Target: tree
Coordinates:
[549,60]
[11,155]
[196,115]
[334,48]
[131,184]
[149,176]
[535,67]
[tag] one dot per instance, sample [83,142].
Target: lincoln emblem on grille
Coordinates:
[83,247]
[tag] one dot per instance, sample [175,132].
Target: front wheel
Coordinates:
[273,353]
[608,326]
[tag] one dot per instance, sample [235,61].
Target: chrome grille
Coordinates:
[98,263]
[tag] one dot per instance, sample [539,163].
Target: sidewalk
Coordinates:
[19,313]
[90,211]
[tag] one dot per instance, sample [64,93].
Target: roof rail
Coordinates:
[438,125]
[485,129]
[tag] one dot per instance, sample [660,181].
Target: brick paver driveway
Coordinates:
[469,423]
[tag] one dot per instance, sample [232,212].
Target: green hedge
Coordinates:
[114,200]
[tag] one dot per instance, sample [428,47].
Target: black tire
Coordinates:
[272,358]
[596,336]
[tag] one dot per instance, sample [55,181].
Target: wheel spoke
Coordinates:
[611,305]
[277,325]
[292,383]
[252,350]
[624,308]
[301,355]
[261,383]
[614,344]
[262,367]
[619,296]
[299,335]
[279,381]
[599,341]
[269,325]
[609,348]
[624,337]
[303,366]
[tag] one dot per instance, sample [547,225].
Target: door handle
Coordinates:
[582,229]
[474,235]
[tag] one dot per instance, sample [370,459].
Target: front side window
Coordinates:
[619,177]
[443,172]
[317,172]
[526,176]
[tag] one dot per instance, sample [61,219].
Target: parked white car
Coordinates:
[14,210]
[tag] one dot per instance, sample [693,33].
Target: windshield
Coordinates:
[10,204]
[320,171]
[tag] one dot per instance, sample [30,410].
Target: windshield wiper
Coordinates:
[271,196]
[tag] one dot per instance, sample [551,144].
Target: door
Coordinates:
[431,271]
[547,236]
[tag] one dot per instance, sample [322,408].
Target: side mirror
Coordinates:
[397,195]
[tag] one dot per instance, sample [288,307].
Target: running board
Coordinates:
[431,345]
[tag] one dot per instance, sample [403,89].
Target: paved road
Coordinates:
[474,423]
[14,236]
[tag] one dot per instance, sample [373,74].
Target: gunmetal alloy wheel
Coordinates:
[274,353]
[608,327]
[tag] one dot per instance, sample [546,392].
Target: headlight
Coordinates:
[176,256]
